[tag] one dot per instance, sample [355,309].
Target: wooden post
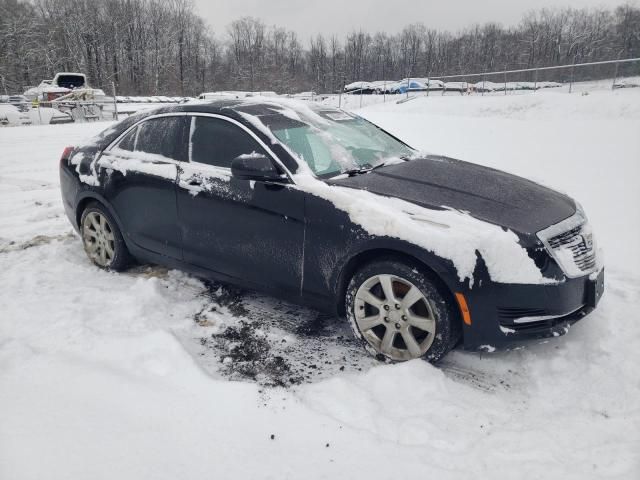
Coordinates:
[115,102]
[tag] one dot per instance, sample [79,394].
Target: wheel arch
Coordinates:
[85,199]
[431,267]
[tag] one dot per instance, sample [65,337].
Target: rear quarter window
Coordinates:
[128,142]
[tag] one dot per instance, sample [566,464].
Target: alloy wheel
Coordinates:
[98,239]
[394,317]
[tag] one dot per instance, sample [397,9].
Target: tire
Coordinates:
[102,240]
[415,321]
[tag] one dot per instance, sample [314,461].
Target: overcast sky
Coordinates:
[342,16]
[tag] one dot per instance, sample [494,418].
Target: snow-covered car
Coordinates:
[404,86]
[12,115]
[456,86]
[20,102]
[323,208]
[487,86]
[431,84]
[360,88]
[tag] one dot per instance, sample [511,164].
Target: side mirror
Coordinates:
[254,166]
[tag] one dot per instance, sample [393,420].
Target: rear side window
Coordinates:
[217,142]
[161,136]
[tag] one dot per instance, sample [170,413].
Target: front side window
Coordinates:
[217,142]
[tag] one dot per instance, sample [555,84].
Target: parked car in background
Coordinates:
[407,85]
[12,115]
[360,88]
[20,102]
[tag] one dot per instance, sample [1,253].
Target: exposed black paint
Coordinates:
[490,195]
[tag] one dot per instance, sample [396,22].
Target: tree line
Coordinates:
[156,47]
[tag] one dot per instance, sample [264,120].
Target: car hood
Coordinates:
[487,194]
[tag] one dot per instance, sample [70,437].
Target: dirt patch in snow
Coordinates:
[12,246]
[247,336]
[272,342]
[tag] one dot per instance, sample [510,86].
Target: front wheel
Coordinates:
[399,313]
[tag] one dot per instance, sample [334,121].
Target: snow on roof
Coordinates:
[70,73]
[358,86]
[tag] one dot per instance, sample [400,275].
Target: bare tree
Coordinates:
[163,46]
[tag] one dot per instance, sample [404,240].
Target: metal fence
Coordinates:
[565,74]
[609,74]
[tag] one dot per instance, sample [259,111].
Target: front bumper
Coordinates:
[504,315]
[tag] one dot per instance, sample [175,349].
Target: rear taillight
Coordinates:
[66,154]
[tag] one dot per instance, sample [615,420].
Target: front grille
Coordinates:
[579,241]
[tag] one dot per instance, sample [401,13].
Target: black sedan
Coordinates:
[323,208]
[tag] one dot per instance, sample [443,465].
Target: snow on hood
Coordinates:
[449,234]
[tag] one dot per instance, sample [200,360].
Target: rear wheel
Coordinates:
[102,239]
[399,313]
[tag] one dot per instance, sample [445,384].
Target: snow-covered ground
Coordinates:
[156,374]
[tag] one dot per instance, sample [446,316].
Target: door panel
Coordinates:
[142,192]
[250,231]
[139,176]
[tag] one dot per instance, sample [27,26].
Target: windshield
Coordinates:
[337,142]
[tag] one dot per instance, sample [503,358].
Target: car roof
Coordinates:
[253,112]
[256,105]
[250,112]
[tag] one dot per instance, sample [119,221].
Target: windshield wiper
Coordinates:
[368,168]
[357,171]
[381,164]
